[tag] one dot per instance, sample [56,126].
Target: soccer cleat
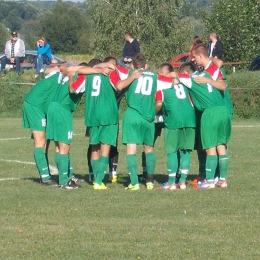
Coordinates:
[182,185]
[149,186]
[101,186]
[69,186]
[75,179]
[167,186]
[49,182]
[207,185]
[133,187]
[113,176]
[222,184]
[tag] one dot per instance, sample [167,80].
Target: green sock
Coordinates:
[144,164]
[102,168]
[185,165]
[41,163]
[71,170]
[202,163]
[56,159]
[172,166]
[223,166]
[63,168]
[132,168]
[94,164]
[211,165]
[150,162]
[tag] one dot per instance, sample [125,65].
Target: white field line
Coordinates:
[16,161]
[9,179]
[19,138]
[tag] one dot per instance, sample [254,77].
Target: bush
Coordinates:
[244,89]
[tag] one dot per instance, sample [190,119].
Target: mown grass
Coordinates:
[48,223]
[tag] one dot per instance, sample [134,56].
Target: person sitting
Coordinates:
[14,53]
[131,48]
[44,55]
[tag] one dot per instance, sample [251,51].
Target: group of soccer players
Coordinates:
[194,106]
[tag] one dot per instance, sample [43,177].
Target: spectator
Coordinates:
[215,47]
[44,55]
[14,53]
[196,41]
[131,48]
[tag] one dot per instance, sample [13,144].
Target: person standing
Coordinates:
[14,53]
[131,48]
[44,55]
[215,47]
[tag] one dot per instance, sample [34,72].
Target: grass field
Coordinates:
[49,223]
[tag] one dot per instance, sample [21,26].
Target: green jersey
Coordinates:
[101,105]
[226,94]
[178,112]
[43,92]
[203,95]
[140,95]
[67,100]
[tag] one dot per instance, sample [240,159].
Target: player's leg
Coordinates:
[171,149]
[223,163]
[132,166]
[113,161]
[95,154]
[102,163]
[150,165]
[184,168]
[40,156]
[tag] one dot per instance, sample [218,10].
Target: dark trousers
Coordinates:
[17,63]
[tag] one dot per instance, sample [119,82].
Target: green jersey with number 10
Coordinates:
[140,95]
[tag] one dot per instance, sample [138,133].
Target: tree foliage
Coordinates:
[237,22]
[4,36]
[13,14]
[156,24]
[64,27]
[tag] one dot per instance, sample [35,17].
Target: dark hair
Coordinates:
[129,34]
[109,58]
[168,65]
[94,62]
[188,67]
[83,64]
[198,41]
[201,49]
[139,61]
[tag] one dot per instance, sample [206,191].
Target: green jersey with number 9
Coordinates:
[140,95]
[101,104]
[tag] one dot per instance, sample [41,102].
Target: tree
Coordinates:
[4,37]
[30,30]
[156,24]
[63,27]
[237,23]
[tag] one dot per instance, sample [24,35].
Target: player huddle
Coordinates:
[194,105]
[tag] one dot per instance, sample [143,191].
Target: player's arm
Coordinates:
[217,61]
[218,84]
[50,70]
[105,65]
[158,101]
[126,82]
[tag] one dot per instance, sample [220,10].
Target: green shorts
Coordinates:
[198,144]
[106,134]
[33,118]
[137,130]
[181,138]
[215,127]
[59,124]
